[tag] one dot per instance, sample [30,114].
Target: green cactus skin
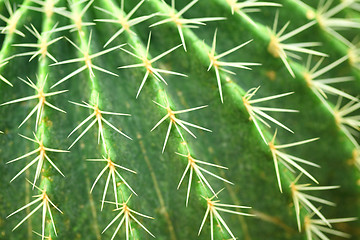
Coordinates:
[242,170]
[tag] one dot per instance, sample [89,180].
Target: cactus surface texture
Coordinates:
[180,119]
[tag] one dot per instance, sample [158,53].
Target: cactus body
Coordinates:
[204,119]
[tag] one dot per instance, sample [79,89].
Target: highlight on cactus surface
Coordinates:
[228,159]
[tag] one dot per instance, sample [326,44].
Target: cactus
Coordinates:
[195,119]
